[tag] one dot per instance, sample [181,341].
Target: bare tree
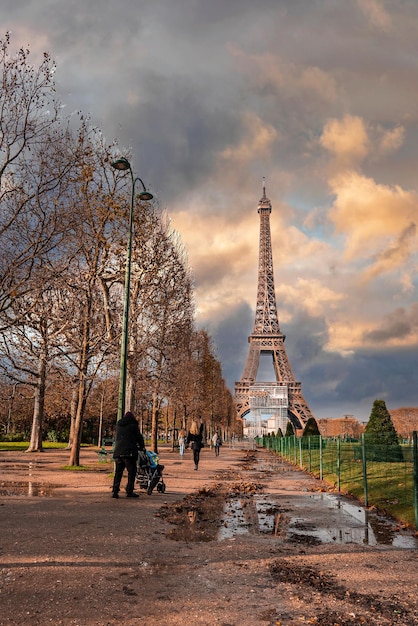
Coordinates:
[35,160]
[200,390]
[16,401]
[96,232]
[162,309]
[29,346]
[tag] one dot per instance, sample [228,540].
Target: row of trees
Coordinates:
[63,232]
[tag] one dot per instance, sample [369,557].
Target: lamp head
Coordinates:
[145,195]
[121,164]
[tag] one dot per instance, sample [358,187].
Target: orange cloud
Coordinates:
[311,296]
[392,139]
[394,256]
[269,73]
[370,216]
[256,143]
[376,14]
[346,139]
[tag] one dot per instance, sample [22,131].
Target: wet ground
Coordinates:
[246,540]
[306,517]
[310,517]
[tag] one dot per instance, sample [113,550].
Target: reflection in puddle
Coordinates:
[233,520]
[27,487]
[351,523]
[16,488]
[335,521]
[265,514]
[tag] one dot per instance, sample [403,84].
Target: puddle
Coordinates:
[349,523]
[330,520]
[25,488]
[266,514]
[233,520]
[16,488]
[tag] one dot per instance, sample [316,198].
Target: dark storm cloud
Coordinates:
[397,325]
[318,370]
[230,334]
[181,133]
[334,385]
[384,373]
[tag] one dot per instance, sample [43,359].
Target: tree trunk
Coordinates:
[107,308]
[35,444]
[78,423]
[166,423]
[154,421]
[73,413]
[130,390]
[81,396]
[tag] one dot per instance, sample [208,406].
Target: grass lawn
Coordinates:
[10,446]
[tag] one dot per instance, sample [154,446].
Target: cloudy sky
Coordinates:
[318,96]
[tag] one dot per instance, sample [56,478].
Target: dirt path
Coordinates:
[245,540]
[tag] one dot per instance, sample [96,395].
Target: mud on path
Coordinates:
[245,540]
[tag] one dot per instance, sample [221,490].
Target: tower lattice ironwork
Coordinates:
[266,337]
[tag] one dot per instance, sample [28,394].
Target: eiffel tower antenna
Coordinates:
[267,338]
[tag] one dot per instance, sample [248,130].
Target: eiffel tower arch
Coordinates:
[267,338]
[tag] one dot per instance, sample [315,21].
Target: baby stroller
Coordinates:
[149,472]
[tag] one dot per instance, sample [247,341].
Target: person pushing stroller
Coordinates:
[128,442]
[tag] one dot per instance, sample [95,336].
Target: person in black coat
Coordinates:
[128,440]
[195,439]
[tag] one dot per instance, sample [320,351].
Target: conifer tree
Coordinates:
[289,430]
[311,428]
[380,431]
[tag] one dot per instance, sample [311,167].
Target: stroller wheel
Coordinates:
[149,490]
[161,487]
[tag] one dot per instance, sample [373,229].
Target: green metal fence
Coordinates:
[385,476]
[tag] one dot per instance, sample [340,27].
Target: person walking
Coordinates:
[195,439]
[216,442]
[128,441]
[181,441]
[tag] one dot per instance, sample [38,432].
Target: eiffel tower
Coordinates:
[266,337]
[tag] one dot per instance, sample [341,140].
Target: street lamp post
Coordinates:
[123,164]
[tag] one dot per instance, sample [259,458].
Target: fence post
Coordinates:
[339,463]
[295,452]
[415,453]
[300,453]
[309,455]
[363,457]
[320,458]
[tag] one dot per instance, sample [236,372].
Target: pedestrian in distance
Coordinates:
[216,442]
[195,439]
[181,441]
[128,441]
